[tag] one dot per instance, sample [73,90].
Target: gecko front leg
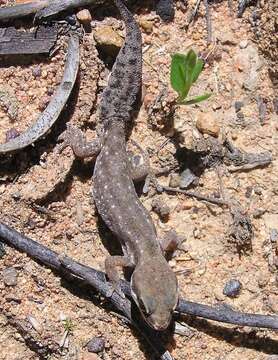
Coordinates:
[74,138]
[111,264]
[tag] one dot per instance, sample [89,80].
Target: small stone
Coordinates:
[207,124]
[187,178]
[227,38]
[238,105]
[243,44]
[147,25]
[107,40]
[12,134]
[44,74]
[232,288]
[274,236]
[9,276]
[160,208]
[96,345]
[84,16]
[174,180]
[36,71]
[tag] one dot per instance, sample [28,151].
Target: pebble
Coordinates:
[147,25]
[174,180]
[232,288]
[36,71]
[9,276]
[160,208]
[187,178]
[207,124]
[274,235]
[85,17]
[96,344]
[243,44]
[12,133]
[108,40]
[238,105]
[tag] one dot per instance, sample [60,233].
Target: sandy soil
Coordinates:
[47,197]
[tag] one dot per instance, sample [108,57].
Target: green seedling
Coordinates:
[185,70]
[68,325]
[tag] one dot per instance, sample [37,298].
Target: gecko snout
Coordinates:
[155,291]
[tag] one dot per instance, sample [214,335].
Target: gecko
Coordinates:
[154,285]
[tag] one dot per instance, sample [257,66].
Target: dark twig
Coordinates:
[208,20]
[56,105]
[211,200]
[96,278]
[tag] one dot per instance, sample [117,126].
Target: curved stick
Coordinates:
[97,279]
[56,105]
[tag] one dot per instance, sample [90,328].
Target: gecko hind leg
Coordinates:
[74,138]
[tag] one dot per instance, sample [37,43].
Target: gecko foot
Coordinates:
[74,138]
[115,288]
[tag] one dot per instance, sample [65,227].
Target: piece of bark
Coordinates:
[15,42]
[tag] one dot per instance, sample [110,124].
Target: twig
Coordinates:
[96,278]
[211,200]
[208,20]
[66,266]
[56,105]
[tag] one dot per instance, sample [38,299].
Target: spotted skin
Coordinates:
[153,283]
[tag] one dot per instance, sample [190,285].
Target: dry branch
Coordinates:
[97,279]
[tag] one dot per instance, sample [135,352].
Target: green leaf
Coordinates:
[177,76]
[191,59]
[196,99]
[197,70]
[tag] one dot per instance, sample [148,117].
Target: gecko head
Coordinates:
[155,290]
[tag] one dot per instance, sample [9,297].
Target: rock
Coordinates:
[108,40]
[8,101]
[160,208]
[274,236]
[227,37]
[174,180]
[187,178]
[96,344]
[147,25]
[243,44]
[84,16]
[232,288]
[207,124]
[9,276]
[36,71]
[238,105]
